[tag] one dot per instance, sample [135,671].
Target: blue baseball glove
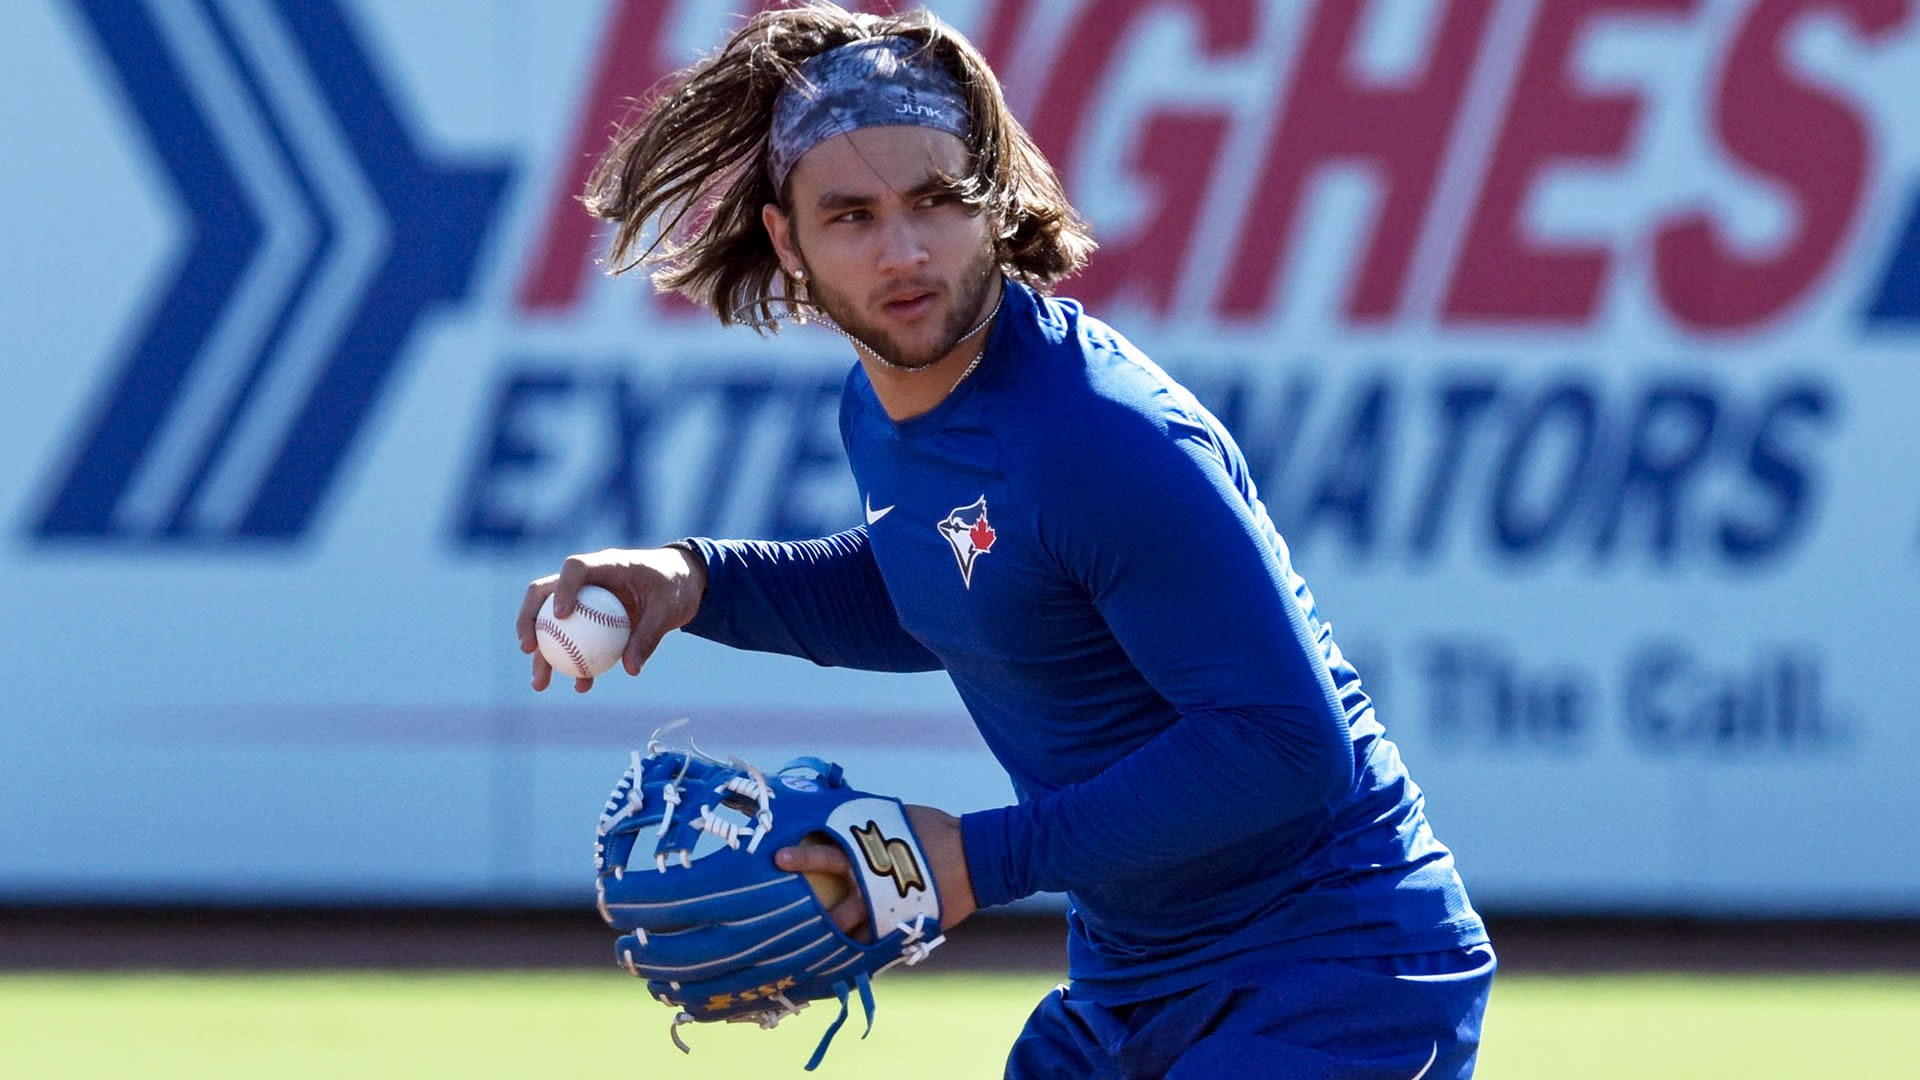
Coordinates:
[685,863]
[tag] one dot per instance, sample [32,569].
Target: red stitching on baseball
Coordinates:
[561,639]
[611,622]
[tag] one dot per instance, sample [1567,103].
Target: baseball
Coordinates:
[587,642]
[829,889]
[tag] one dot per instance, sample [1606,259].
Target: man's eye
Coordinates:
[929,202]
[849,216]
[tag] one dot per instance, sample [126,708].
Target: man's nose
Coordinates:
[902,247]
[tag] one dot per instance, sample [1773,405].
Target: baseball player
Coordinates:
[1077,542]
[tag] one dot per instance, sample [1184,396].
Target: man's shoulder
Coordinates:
[1063,324]
[1076,356]
[1088,408]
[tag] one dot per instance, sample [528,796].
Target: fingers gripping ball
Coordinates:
[829,889]
[685,869]
[588,641]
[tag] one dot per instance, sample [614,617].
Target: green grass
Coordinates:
[929,1027]
[1652,1027]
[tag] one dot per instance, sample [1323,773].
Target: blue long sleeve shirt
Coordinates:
[1078,543]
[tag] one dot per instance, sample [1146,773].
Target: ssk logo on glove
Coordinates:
[889,857]
[889,861]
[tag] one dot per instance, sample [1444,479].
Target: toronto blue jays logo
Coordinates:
[966,528]
[319,234]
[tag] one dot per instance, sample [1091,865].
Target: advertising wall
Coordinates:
[1575,345]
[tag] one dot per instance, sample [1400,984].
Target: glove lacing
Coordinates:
[654,745]
[915,949]
[670,794]
[780,1007]
[753,786]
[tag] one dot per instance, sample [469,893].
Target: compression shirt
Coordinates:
[1079,544]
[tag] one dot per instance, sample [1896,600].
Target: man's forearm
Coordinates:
[823,600]
[1125,821]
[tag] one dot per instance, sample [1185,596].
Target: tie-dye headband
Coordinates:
[879,82]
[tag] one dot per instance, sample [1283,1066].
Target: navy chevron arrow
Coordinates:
[310,261]
[225,235]
[1897,302]
[439,216]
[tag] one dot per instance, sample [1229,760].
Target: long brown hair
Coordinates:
[692,164]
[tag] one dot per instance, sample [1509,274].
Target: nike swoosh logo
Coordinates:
[875,515]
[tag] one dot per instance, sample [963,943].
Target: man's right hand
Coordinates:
[660,588]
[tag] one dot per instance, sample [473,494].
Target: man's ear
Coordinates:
[779,226]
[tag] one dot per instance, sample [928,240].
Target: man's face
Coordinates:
[895,260]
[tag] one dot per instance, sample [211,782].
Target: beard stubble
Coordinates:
[971,296]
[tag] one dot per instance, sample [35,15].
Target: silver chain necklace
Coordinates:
[896,366]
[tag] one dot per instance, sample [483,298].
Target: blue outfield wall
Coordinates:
[1576,349]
